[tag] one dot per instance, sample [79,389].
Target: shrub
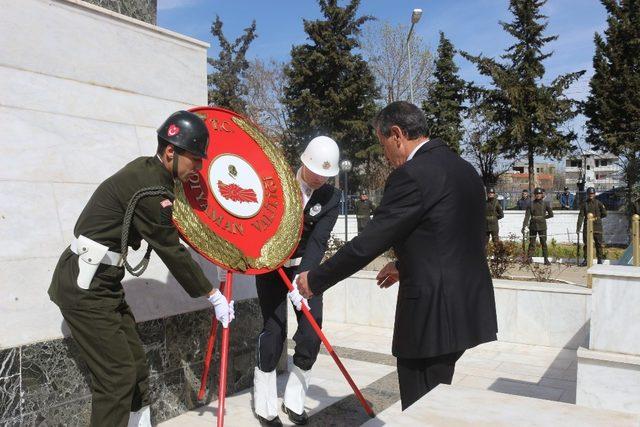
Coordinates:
[502,255]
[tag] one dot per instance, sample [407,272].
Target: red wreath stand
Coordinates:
[240,169]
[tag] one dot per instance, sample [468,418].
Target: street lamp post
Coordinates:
[415,17]
[346,165]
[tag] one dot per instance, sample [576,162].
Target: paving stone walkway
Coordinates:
[515,369]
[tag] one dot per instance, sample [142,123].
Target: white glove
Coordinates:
[296,299]
[224,309]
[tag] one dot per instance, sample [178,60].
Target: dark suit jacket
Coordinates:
[433,214]
[320,216]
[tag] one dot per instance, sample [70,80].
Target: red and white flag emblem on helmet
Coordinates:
[173,130]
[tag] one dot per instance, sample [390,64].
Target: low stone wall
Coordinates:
[548,314]
[562,227]
[46,383]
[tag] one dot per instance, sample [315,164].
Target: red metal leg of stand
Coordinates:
[210,346]
[333,354]
[222,385]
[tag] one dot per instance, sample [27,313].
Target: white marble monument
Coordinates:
[609,370]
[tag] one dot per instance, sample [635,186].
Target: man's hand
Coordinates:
[303,285]
[388,275]
[296,298]
[224,310]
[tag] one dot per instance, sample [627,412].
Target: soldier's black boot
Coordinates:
[546,261]
[583,263]
[599,260]
[297,419]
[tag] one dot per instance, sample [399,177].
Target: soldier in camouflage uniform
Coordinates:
[595,207]
[535,217]
[494,214]
[86,283]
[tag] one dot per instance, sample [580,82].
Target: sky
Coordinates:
[472,26]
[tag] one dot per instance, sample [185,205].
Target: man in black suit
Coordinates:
[433,215]
[321,202]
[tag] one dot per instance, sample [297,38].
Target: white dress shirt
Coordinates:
[415,150]
[304,188]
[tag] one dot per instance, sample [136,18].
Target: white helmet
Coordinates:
[322,156]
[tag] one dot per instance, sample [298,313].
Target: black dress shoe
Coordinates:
[297,419]
[274,422]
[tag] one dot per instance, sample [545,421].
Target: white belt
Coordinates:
[110,258]
[294,262]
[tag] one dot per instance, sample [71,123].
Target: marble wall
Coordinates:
[47,383]
[607,380]
[609,369]
[83,90]
[616,306]
[548,314]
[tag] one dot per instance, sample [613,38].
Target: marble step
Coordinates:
[455,406]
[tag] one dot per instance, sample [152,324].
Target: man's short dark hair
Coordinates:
[409,118]
[525,191]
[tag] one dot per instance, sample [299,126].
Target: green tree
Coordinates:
[481,140]
[330,89]
[444,104]
[613,106]
[533,115]
[226,86]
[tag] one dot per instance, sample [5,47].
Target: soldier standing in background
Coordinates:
[494,214]
[595,207]
[364,210]
[536,216]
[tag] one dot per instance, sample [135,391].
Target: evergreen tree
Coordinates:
[613,107]
[330,89]
[532,114]
[443,106]
[226,87]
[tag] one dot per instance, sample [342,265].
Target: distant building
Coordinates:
[518,177]
[600,171]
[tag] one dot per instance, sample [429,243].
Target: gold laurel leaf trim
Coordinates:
[284,241]
[278,247]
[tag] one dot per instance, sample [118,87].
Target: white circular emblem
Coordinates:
[315,209]
[236,186]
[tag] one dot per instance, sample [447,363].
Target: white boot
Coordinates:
[296,391]
[265,394]
[141,418]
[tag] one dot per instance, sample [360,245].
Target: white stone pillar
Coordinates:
[609,370]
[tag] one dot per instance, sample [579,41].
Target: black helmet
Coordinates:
[187,131]
[538,190]
[566,188]
[491,190]
[591,190]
